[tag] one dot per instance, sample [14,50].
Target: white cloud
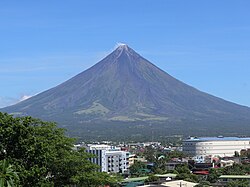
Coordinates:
[118,44]
[24,97]
[7,101]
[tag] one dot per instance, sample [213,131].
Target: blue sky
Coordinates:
[205,44]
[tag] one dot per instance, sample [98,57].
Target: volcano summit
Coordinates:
[125,94]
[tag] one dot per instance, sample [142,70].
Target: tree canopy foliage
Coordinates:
[138,169]
[8,177]
[238,183]
[42,155]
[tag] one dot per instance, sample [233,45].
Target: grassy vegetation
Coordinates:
[96,108]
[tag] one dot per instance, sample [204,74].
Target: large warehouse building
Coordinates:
[215,146]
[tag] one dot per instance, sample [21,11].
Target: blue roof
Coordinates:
[219,138]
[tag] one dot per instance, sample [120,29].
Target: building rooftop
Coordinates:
[234,177]
[172,175]
[135,179]
[144,178]
[219,138]
[179,183]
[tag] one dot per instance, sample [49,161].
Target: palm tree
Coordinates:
[8,177]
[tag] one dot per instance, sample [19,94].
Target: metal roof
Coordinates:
[234,177]
[135,179]
[219,138]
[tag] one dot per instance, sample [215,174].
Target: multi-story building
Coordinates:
[215,146]
[116,161]
[110,159]
[133,158]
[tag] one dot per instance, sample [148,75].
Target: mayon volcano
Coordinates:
[126,95]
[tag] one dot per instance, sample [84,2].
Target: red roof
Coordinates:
[201,172]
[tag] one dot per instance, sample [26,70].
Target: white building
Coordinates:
[110,159]
[215,146]
[116,161]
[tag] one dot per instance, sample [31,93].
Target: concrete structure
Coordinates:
[226,163]
[110,159]
[139,181]
[181,183]
[133,158]
[176,183]
[215,146]
[116,161]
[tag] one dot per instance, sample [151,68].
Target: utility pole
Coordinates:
[182,185]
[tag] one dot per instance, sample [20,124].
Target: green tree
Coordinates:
[183,173]
[8,177]
[151,178]
[203,184]
[160,165]
[236,169]
[238,183]
[176,154]
[137,168]
[41,153]
[150,154]
[214,174]
[236,154]
[92,179]
[182,169]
